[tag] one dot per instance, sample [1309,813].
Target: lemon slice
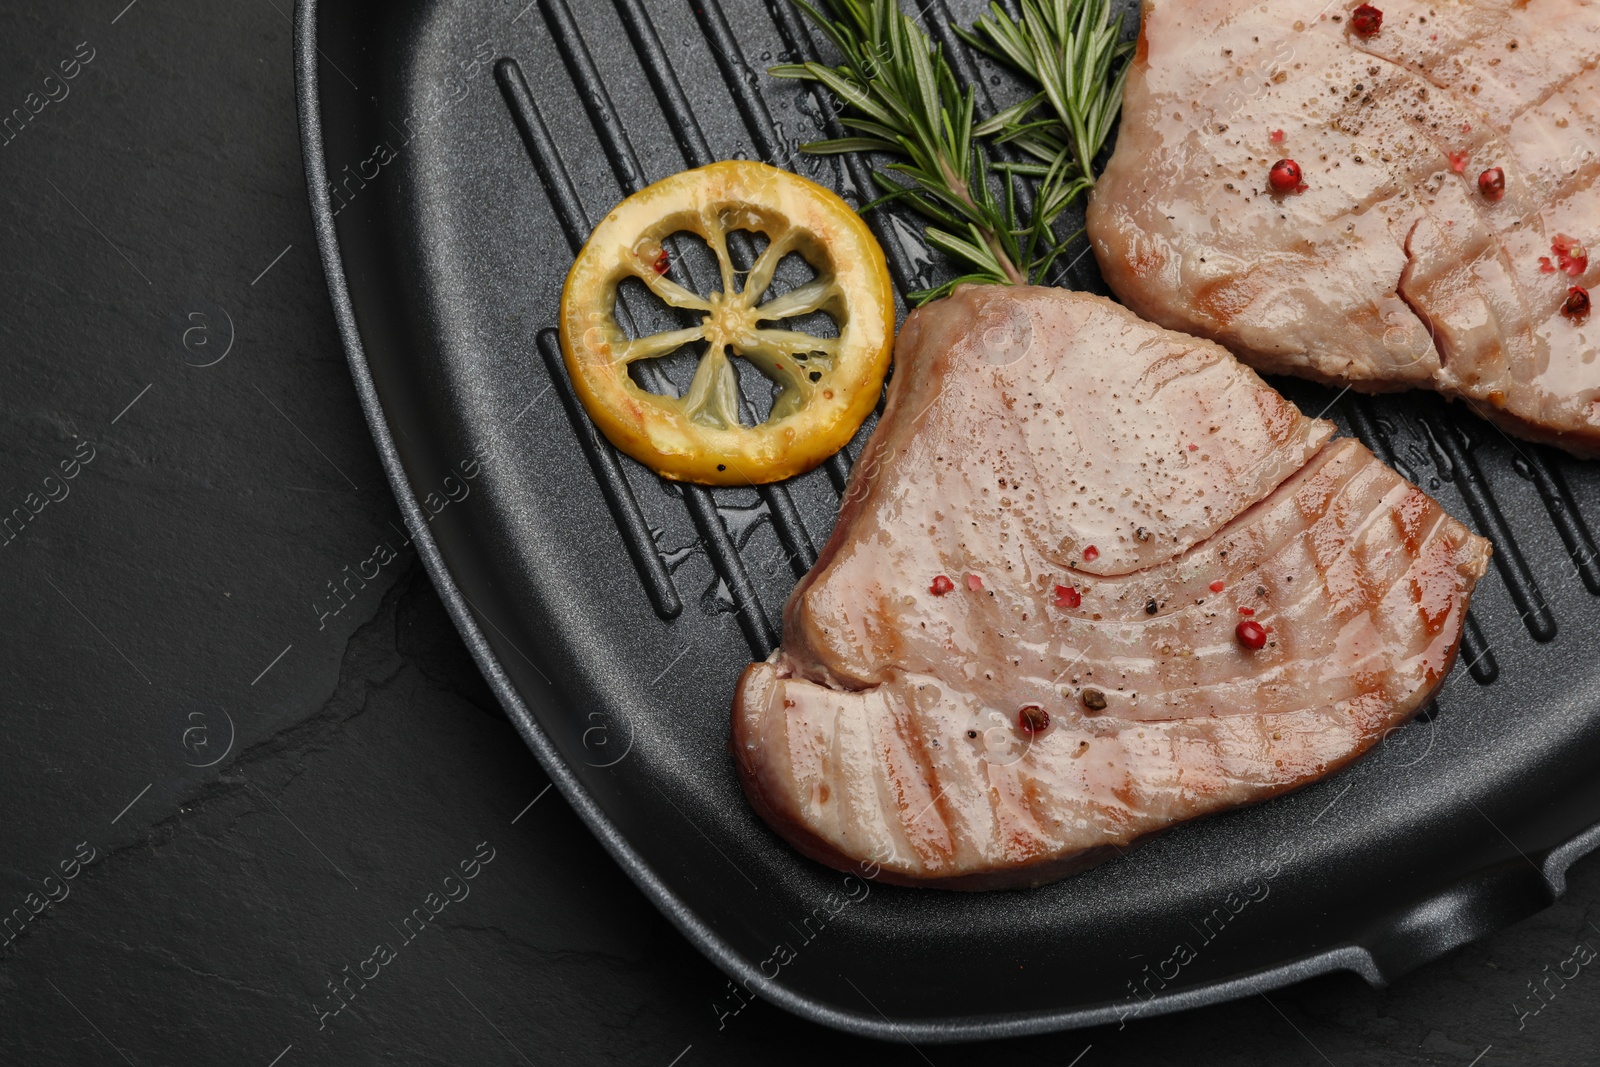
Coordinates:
[825,386]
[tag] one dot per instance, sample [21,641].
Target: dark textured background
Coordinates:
[142,212]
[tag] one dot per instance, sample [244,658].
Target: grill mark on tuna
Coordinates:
[1557,89]
[1503,253]
[1420,171]
[923,806]
[1472,45]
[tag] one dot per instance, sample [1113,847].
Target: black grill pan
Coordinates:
[457,153]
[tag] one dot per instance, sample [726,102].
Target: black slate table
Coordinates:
[258,808]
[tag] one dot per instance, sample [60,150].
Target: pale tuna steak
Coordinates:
[1066,511]
[1448,156]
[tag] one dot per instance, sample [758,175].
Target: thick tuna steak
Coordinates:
[1448,154]
[1069,511]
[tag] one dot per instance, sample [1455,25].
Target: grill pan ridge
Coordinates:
[611,610]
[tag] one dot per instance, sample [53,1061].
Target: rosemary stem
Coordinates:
[959,186]
[1012,270]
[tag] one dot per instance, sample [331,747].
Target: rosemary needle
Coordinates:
[1068,48]
[903,99]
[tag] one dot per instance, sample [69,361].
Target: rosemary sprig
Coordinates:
[1068,48]
[904,100]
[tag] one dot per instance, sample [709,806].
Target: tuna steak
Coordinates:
[1448,154]
[1068,512]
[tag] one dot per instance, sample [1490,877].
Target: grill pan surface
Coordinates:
[457,154]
